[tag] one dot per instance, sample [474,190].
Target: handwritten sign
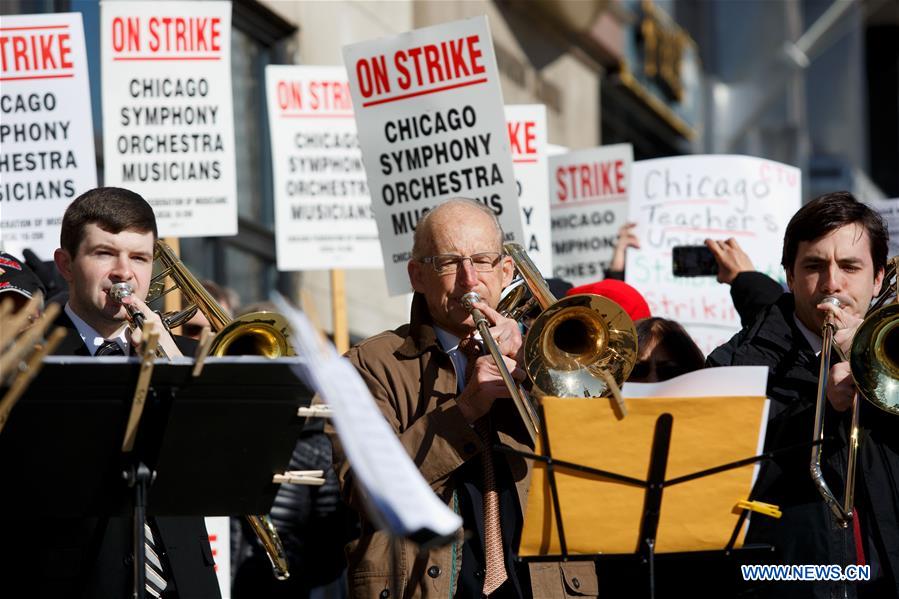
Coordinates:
[685,200]
[527,136]
[323,216]
[588,204]
[47,154]
[889,210]
[429,111]
[168,124]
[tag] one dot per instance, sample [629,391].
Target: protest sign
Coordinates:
[588,204]
[429,112]
[47,153]
[527,135]
[168,125]
[889,210]
[323,215]
[683,201]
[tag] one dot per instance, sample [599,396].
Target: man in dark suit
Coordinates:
[108,236]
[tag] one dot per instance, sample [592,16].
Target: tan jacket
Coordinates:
[413,382]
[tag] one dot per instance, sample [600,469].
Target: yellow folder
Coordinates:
[604,516]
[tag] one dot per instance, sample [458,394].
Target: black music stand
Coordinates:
[654,485]
[213,441]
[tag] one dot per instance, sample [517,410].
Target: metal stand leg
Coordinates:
[138,478]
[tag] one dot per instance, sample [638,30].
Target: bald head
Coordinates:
[437,222]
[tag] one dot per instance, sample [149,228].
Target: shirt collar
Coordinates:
[92,339]
[448,341]
[814,341]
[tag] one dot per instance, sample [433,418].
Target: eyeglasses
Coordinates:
[446,264]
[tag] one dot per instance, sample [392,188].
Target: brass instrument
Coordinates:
[519,397]
[874,361]
[579,346]
[120,291]
[257,333]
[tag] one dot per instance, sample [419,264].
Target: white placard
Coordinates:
[889,210]
[683,201]
[588,204]
[429,111]
[323,216]
[527,136]
[47,154]
[219,530]
[168,124]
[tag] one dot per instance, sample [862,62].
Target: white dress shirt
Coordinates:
[92,339]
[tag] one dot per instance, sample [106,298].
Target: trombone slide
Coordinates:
[522,403]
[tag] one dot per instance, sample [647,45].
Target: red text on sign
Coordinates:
[314,95]
[590,181]
[167,34]
[522,135]
[421,66]
[35,52]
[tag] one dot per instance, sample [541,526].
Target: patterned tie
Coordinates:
[109,348]
[495,572]
[155,580]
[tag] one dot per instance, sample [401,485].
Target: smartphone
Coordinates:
[693,261]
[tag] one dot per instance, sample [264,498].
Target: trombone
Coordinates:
[257,333]
[579,346]
[874,361]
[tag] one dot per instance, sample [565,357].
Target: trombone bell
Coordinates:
[875,358]
[577,343]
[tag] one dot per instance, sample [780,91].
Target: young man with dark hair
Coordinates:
[108,236]
[834,246]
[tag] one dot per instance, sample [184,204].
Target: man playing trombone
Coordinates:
[448,404]
[108,236]
[834,254]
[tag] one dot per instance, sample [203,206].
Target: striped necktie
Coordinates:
[109,348]
[495,568]
[155,582]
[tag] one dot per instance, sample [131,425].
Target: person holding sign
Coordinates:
[107,237]
[834,246]
[448,405]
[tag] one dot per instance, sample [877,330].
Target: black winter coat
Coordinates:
[807,532]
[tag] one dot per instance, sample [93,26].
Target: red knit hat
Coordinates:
[619,292]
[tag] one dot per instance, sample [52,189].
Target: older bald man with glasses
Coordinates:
[448,405]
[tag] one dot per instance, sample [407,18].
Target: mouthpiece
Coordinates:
[119,291]
[830,299]
[469,299]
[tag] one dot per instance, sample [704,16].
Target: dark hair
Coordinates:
[827,213]
[113,209]
[671,336]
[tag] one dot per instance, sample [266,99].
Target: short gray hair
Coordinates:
[421,237]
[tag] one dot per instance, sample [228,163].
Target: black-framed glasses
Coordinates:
[446,264]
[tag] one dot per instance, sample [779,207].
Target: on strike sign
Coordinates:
[323,216]
[46,131]
[429,111]
[167,115]
[588,204]
[527,135]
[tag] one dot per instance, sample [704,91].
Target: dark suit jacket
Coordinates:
[42,556]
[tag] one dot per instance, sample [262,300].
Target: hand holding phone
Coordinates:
[693,261]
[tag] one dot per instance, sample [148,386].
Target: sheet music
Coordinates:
[726,381]
[401,498]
